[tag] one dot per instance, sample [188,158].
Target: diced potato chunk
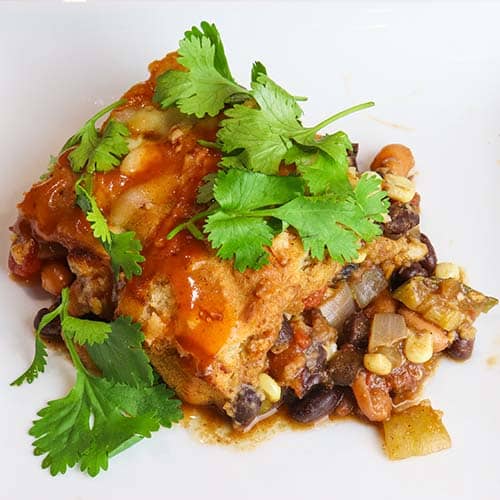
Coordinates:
[415,431]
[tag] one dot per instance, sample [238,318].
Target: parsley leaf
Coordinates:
[207,83]
[124,249]
[96,151]
[121,357]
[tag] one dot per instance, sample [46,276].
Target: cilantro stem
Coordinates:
[72,352]
[209,144]
[189,224]
[107,109]
[125,445]
[337,116]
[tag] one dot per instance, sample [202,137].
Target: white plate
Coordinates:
[434,72]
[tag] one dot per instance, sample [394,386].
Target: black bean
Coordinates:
[356,330]
[309,379]
[52,329]
[285,335]
[460,349]
[430,260]
[344,365]
[314,373]
[403,218]
[318,403]
[346,271]
[247,405]
[403,274]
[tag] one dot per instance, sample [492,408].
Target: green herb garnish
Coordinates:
[101,416]
[261,131]
[124,249]
[98,151]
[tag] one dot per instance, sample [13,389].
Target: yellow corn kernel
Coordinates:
[399,188]
[467,332]
[269,387]
[361,257]
[377,363]
[418,347]
[446,270]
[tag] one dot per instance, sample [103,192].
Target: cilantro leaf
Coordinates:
[40,357]
[125,253]
[241,191]
[93,213]
[157,399]
[210,31]
[249,204]
[259,138]
[100,417]
[207,83]
[206,190]
[124,249]
[85,331]
[37,365]
[258,69]
[240,237]
[370,197]
[121,357]
[64,434]
[81,331]
[264,133]
[319,222]
[95,151]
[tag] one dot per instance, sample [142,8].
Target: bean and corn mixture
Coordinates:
[205,233]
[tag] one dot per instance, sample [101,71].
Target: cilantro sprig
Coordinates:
[124,249]
[101,416]
[208,84]
[262,130]
[97,151]
[251,208]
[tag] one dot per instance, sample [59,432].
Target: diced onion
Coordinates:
[371,283]
[386,330]
[338,307]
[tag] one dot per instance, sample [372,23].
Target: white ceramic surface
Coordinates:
[434,72]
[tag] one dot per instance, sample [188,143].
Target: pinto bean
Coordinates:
[394,159]
[372,395]
[55,276]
